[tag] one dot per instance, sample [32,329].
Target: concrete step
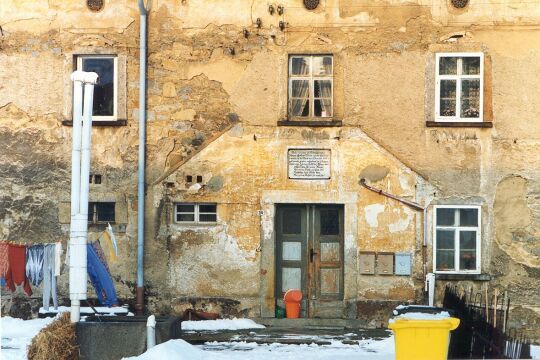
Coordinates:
[312,323]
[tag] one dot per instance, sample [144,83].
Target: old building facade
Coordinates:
[263,118]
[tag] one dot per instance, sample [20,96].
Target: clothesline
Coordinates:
[36,263]
[18,243]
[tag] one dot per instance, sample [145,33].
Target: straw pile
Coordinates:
[55,341]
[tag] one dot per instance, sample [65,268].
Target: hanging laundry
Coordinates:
[16,274]
[100,276]
[110,244]
[49,279]
[57,258]
[4,260]
[113,238]
[101,255]
[34,264]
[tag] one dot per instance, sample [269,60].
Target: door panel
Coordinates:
[309,248]
[291,226]
[326,297]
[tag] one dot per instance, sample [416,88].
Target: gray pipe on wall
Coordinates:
[139,305]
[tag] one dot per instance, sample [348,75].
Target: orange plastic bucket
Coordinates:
[292,301]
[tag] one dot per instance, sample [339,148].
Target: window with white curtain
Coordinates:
[456,245]
[460,87]
[310,86]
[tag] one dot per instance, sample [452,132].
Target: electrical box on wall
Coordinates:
[403,263]
[385,263]
[367,263]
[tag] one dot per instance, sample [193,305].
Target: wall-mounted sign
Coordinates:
[309,164]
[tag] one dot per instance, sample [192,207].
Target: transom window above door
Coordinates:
[310,86]
[106,90]
[460,87]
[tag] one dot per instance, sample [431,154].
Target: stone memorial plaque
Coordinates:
[309,164]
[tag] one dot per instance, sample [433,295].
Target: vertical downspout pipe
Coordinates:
[139,304]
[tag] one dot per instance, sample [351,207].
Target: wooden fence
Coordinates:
[483,331]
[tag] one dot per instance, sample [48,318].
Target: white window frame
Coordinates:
[197,212]
[114,117]
[311,79]
[457,229]
[458,78]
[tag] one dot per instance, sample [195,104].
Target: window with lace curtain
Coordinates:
[459,88]
[310,86]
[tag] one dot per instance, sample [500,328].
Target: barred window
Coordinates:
[101,212]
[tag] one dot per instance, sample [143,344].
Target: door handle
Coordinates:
[312,253]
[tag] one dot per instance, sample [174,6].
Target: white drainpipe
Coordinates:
[80,171]
[151,332]
[430,288]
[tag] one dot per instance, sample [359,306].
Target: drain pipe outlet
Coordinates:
[151,332]
[430,288]
[139,304]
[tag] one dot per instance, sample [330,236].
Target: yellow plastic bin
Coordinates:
[422,339]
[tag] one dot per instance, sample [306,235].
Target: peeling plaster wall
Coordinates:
[205,78]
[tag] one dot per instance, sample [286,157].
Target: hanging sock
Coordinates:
[113,238]
[57,258]
[100,276]
[49,279]
[4,260]
[16,274]
[34,264]
[110,244]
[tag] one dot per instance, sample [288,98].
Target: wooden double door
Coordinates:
[309,256]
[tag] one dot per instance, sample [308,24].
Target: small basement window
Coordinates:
[101,212]
[460,87]
[106,90]
[456,246]
[195,213]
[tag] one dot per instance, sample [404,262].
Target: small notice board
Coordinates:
[309,164]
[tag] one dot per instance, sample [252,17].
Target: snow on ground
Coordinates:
[222,324]
[17,335]
[180,350]
[171,350]
[535,351]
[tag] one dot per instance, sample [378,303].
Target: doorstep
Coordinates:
[312,323]
[283,335]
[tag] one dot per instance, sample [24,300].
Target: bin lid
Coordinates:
[424,309]
[293,295]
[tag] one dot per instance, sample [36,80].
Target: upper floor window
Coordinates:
[310,86]
[195,213]
[106,90]
[457,239]
[459,87]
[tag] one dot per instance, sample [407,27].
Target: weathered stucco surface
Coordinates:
[215,96]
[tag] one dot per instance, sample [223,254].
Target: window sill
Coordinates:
[458,124]
[312,123]
[464,276]
[99,123]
